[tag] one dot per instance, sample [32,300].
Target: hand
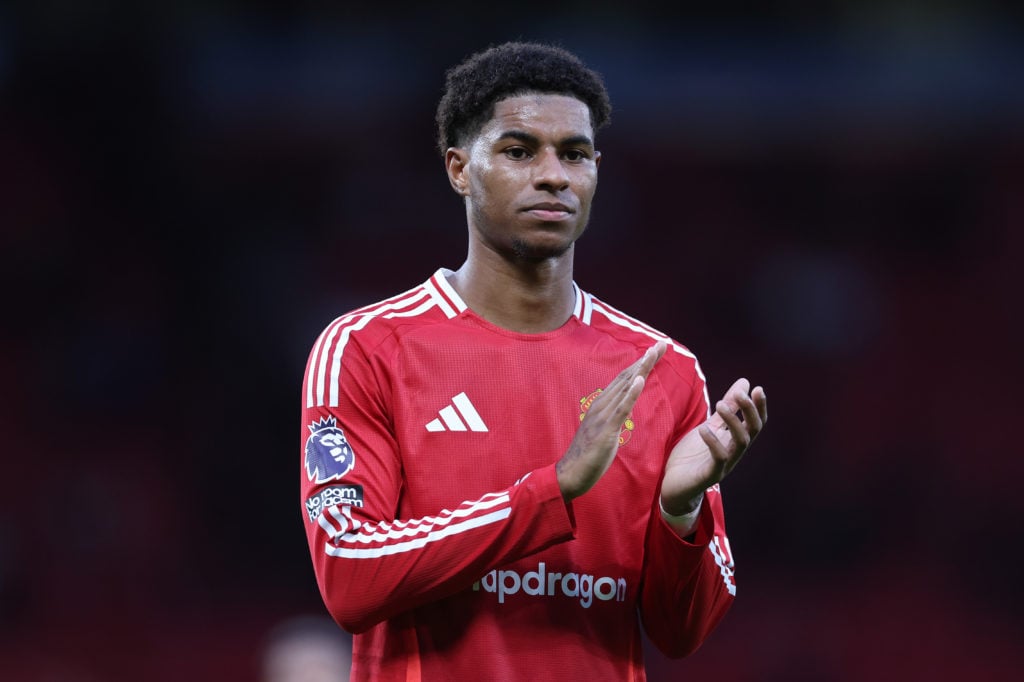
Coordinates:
[705,455]
[597,440]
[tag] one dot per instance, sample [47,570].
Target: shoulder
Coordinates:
[678,373]
[369,325]
[366,337]
[624,328]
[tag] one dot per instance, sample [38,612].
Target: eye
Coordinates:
[516,153]
[576,155]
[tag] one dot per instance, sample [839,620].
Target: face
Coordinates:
[529,176]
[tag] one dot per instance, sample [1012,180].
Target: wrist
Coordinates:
[683,524]
[676,509]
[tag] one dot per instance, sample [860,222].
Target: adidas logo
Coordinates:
[450,415]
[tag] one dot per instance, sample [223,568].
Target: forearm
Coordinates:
[688,585]
[371,571]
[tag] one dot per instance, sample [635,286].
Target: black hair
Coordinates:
[474,86]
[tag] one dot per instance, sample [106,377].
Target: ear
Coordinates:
[597,159]
[455,161]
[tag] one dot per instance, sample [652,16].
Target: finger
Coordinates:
[614,403]
[726,458]
[718,450]
[761,400]
[751,417]
[731,398]
[737,429]
[641,367]
[652,355]
[649,359]
[740,387]
[635,389]
[621,408]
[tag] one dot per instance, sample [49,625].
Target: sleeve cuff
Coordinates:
[684,524]
[549,494]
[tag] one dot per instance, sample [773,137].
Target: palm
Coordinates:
[691,468]
[698,461]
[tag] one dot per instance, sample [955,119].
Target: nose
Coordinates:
[549,172]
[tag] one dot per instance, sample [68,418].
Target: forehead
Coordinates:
[554,115]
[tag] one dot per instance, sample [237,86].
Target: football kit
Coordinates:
[437,529]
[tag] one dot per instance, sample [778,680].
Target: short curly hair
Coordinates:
[473,87]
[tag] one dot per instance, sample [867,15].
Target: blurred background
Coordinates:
[825,197]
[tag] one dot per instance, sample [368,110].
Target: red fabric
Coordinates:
[513,583]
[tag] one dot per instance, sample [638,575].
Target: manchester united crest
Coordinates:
[627,426]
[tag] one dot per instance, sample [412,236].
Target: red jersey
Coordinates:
[437,529]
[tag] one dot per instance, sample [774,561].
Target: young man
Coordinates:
[503,476]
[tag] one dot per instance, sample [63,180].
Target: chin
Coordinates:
[535,252]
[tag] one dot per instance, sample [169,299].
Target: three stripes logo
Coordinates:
[460,415]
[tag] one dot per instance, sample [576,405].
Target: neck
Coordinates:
[525,297]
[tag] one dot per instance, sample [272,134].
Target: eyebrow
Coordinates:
[527,138]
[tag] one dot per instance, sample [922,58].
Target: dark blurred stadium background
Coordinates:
[828,200]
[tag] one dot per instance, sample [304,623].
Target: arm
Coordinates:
[688,584]
[369,564]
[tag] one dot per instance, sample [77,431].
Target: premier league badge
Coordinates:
[328,454]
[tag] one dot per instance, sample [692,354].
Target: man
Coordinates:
[503,476]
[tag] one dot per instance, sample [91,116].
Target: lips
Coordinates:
[550,211]
[550,206]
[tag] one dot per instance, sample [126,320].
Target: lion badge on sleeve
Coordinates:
[328,454]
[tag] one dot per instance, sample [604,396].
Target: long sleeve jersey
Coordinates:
[436,526]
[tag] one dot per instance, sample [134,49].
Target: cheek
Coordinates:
[491,190]
[586,188]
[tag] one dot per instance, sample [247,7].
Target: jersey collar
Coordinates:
[452,304]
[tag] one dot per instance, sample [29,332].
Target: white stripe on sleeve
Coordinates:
[419,543]
[403,536]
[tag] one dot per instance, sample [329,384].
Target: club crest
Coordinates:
[328,454]
[627,426]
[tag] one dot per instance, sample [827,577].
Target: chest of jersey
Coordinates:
[478,410]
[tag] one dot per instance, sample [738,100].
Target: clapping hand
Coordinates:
[707,454]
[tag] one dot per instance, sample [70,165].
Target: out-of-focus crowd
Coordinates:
[188,195]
